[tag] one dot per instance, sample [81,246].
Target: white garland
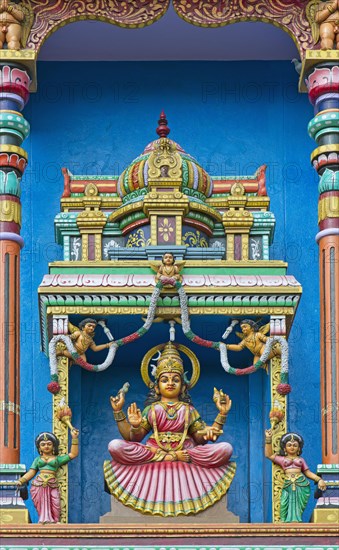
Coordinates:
[264,356]
[152,308]
[53,361]
[186,327]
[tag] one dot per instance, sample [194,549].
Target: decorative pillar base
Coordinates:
[12,507]
[327,508]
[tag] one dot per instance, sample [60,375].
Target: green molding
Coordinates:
[12,469]
[320,122]
[10,183]
[193,193]
[201,218]
[263,223]
[173,547]
[329,181]
[135,195]
[327,468]
[233,178]
[132,218]
[214,301]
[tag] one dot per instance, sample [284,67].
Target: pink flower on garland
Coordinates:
[248,370]
[84,364]
[202,342]
[54,387]
[284,389]
[130,338]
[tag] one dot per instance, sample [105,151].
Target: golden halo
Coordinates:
[144,369]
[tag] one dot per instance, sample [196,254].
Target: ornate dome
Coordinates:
[133,182]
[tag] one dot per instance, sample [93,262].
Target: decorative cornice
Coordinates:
[226,282]
[163,530]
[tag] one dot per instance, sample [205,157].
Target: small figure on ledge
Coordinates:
[324,19]
[254,340]
[197,475]
[15,24]
[82,338]
[296,489]
[44,491]
[168,270]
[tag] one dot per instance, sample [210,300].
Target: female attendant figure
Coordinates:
[175,472]
[44,490]
[296,489]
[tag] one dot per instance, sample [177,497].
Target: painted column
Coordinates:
[14,93]
[277,328]
[322,82]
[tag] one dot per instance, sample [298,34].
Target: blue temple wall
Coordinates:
[94,118]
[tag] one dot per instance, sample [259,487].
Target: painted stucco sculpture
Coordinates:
[115,230]
[16,20]
[296,489]
[44,488]
[324,18]
[176,448]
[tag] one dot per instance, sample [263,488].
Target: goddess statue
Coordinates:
[176,472]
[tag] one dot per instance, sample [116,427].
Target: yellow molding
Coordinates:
[126,210]
[76,202]
[332,148]
[13,148]
[312,58]
[207,210]
[27,58]
[11,516]
[10,211]
[328,207]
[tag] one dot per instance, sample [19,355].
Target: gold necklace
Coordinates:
[166,445]
[171,409]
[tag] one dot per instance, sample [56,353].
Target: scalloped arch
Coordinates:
[288,15]
[50,15]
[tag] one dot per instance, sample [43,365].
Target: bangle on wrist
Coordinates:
[268,440]
[119,416]
[75,441]
[135,429]
[220,419]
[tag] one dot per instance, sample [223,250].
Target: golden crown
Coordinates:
[169,361]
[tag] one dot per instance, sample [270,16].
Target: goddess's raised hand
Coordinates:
[117,402]
[134,415]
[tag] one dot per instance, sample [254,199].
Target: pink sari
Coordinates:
[168,488]
[46,499]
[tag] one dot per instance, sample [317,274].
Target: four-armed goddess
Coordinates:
[176,471]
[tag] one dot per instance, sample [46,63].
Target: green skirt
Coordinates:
[294,498]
